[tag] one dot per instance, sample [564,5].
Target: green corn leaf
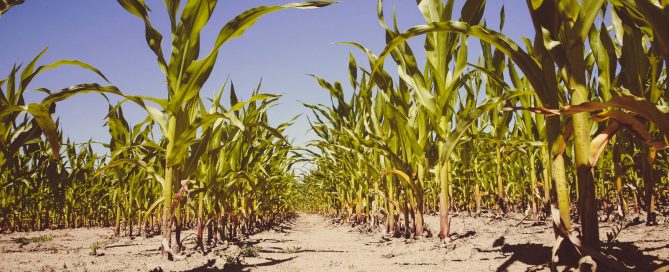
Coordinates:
[197,150]
[200,70]
[524,61]
[465,122]
[352,71]
[30,68]
[658,19]
[586,17]
[153,37]
[158,117]
[79,89]
[258,97]
[43,119]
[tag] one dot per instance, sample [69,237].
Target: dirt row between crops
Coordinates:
[313,243]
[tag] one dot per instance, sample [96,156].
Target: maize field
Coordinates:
[454,147]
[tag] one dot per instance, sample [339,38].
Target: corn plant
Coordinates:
[567,26]
[24,123]
[440,47]
[579,112]
[558,67]
[185,74]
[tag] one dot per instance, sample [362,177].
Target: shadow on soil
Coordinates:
[247,267]
[631,255]
[269,240]
[530,254]
[283,251]
[538,256]
[237,267]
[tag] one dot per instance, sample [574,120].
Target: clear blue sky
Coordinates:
[281,49]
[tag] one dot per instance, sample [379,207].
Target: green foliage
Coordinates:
[450,136]
[291,250]
[95,247]
[225,161]
[229,259]
[251,251]
[182,115]
[445,136]
[37,239]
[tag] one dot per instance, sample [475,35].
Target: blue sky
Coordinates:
[281,49]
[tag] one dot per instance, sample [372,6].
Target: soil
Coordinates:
[314,243]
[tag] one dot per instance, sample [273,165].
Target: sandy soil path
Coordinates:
[322,246]
[313,243]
